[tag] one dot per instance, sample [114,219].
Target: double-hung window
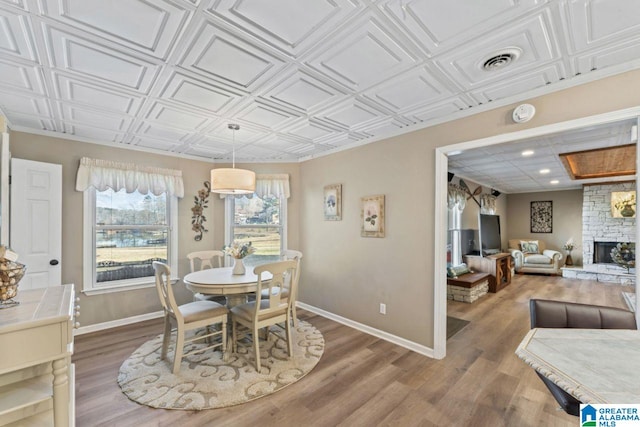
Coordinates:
[260,218]
[125,230]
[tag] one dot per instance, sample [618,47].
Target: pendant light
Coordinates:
[232,180]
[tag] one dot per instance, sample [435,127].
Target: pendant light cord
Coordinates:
[234,128]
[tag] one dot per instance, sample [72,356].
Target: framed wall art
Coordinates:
[333,202]
[623,204]
[372,216]
[542,217]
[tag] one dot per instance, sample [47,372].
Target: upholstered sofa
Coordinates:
[530,260]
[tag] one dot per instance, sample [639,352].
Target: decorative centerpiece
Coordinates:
[10,274]
[624,254]
[569,246]
[239,251]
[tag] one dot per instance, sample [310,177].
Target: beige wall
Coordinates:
[567,219]
[349,275]
[114,306]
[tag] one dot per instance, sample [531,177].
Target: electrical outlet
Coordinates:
[383,308]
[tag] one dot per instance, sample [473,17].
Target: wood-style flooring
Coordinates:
[364,381]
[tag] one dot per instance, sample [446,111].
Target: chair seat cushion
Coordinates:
[537,259]
[246,311]
[198,310]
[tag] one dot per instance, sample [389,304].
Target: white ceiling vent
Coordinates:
[500,59]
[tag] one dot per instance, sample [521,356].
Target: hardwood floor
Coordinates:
[365,381]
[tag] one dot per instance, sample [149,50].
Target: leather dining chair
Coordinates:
[187,317]
[206,259]
[271,307]
[559,314]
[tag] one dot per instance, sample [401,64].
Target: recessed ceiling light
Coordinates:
[527,153]
[544,171]
[554,182]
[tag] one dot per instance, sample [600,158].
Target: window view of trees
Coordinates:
[131,232]
[257,220]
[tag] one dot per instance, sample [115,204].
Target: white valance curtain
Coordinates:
[104,174]
[275,185]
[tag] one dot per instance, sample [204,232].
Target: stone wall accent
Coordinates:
[459,293]
[598,225]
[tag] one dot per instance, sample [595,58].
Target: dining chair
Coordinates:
[270,308]
[291,283]
[189,316]
[560,314]
[207,259]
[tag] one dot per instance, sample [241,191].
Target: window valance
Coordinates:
[275,185]
[103,174]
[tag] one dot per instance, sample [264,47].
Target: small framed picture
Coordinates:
[333,202]
[372,223]
[623,204]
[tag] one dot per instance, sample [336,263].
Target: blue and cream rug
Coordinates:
[205,381]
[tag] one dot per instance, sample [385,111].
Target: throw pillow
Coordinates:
[529,246]
[458,270]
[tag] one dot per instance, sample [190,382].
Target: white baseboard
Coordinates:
[402,342]
[115,323]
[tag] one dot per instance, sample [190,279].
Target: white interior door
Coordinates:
[36,221]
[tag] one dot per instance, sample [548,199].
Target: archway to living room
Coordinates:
[493,151]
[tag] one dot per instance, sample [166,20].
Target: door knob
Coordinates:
[53,262]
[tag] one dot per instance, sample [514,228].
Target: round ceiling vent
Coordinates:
[500,59]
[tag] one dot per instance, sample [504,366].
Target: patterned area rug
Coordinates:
[205,381]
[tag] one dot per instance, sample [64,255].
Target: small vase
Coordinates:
[238,266]
[569,260]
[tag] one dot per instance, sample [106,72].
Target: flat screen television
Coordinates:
[489,233]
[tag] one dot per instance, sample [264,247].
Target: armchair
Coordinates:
[543,260]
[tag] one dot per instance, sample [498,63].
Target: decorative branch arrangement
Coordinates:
[198,218]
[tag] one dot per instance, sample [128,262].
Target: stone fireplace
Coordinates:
[599,226]
[600,233]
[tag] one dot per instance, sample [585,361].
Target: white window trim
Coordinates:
[229,216]
[89,286]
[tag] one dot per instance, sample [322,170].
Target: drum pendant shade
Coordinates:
[232,180]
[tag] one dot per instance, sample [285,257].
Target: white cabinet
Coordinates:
[36,374]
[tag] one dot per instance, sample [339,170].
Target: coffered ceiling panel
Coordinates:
[151,26]
[528,41]
[218,54]
[20,77]
[302,78]
[435,24]
[194,93]
[362,55]
[16,41]
[75,91]
[303,92]
[77,55]
[269,21]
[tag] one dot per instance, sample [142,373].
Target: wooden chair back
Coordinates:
[163,286]
[206,259]
[272,302]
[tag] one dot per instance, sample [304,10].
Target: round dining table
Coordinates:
[221,281]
